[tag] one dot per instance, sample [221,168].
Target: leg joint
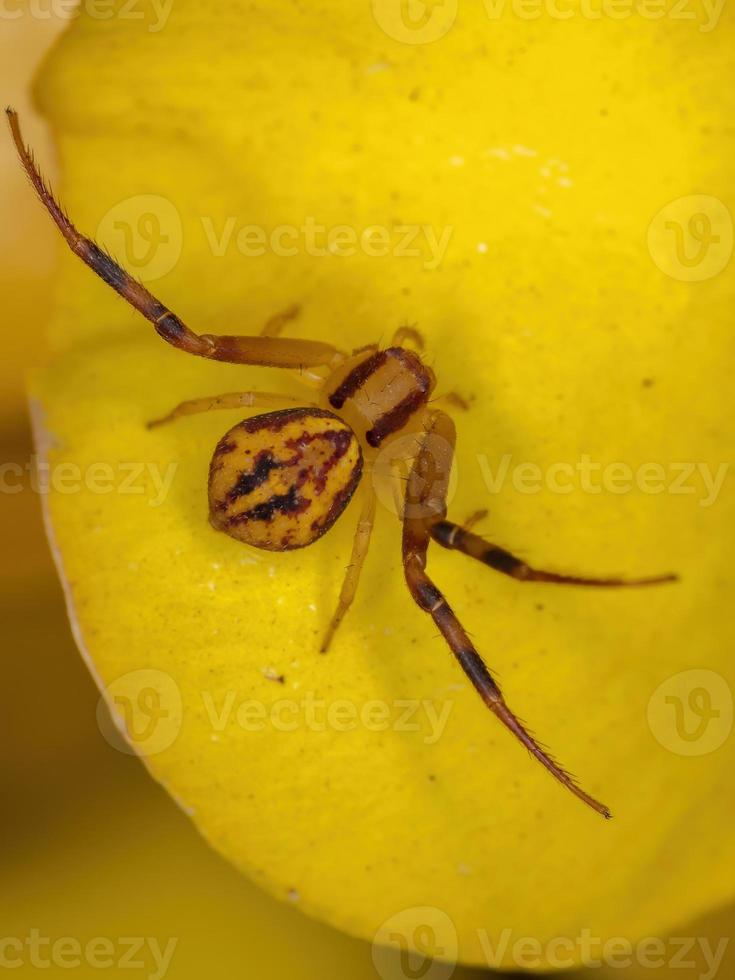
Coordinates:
[427,596]
[444,533]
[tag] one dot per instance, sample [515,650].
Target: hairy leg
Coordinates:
[264,350]
[426,503]
[451,535]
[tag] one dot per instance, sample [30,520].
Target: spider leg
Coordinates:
[273,328]
[278,321]
[359,550]
[410,334]
[451,535]
[264,350]
[235,399]
[475,518]
[425,503]
[452,399]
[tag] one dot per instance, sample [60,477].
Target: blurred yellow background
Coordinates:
[91,846]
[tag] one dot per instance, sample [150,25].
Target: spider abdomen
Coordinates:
[280,480]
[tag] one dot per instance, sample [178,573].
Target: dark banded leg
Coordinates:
[452,536]
[425,502]
[264,350]
[235,399]
[360,547]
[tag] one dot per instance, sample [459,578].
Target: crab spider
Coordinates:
[280,480]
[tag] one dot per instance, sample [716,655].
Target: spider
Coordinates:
[280,480]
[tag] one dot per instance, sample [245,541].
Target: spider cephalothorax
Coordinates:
[387,388]
[280,480]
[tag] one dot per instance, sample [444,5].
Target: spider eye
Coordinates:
[280,480]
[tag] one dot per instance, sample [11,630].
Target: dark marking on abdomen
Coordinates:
[247,482]
[283,503]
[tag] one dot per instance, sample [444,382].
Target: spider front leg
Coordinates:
[235,399]
[264,350]
[425,504]
[273,328]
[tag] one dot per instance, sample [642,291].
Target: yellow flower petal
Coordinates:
[525,181]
